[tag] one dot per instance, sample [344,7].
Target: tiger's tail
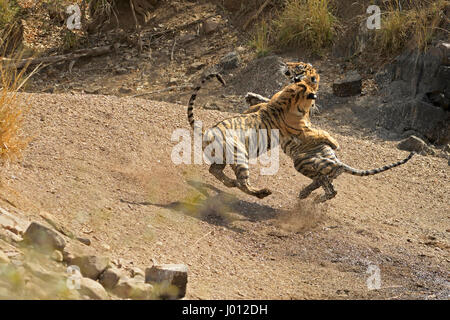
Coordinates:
[190,110]
[363,173]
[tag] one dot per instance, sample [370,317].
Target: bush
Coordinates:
[306,23]
[261,40]
[12,141]
[417,23]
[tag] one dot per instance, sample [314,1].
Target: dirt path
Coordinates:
[102,165]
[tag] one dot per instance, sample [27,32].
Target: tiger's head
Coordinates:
[295,100]
[304,71]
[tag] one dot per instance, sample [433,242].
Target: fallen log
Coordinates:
[91,52]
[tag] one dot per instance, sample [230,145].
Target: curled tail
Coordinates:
[362,173]
[190,109]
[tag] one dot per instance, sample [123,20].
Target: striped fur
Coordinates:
[320,164]
[293,70]
[285,111]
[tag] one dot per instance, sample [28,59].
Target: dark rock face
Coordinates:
[418,88]
[431,121]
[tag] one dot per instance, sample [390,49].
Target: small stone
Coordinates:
[186,38]
[85,241]
[171,280]
[92,289]
[91,266]
[135,271]
[120,71]
[125,90]
[209,26]
[195,66]
[351,85]
[415,144]
[91,90]
[44,238]
[110,277]
[230,61]
[173,81]
[4,258]
[445,48]
[131,289]
[57,256]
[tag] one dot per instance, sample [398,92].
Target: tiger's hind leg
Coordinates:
[217,171]
[308,189]
[242,176]
[330,192]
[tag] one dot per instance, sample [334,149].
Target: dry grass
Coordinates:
[306,23]
[261,39]
[12,141]
[417,22]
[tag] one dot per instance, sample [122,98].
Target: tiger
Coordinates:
[285,111]
[292,70]
[320,164]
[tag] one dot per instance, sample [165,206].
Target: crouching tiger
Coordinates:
[285,112]
[320,164]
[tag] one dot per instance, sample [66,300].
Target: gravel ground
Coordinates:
[102,165]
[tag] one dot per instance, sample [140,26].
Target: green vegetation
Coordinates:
[306,23]
[418,22]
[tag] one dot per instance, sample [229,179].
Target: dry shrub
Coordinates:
[417,21]
[306,23]
[261,39]
[12,141]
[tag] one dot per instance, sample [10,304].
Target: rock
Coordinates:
[446,148]
[85,241]
[135,271]
[171,280]
[445,49]
[351,85]
[4,258]
[91,90]
[57,256]
[413,114]
[209,26]
[253,99]
[186,38]
[120,71]
[110,277]
[44,238]
[230,61]
[91,266]
[414,144]
[264,76]
[128,288]
[173,81]
[92,289]
[195,67]
[38,270]
[125,90]
[67,256]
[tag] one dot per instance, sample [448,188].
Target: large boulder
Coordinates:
[431,121]
[417,86]
[43,238]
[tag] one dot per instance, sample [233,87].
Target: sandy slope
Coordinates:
[102,165]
